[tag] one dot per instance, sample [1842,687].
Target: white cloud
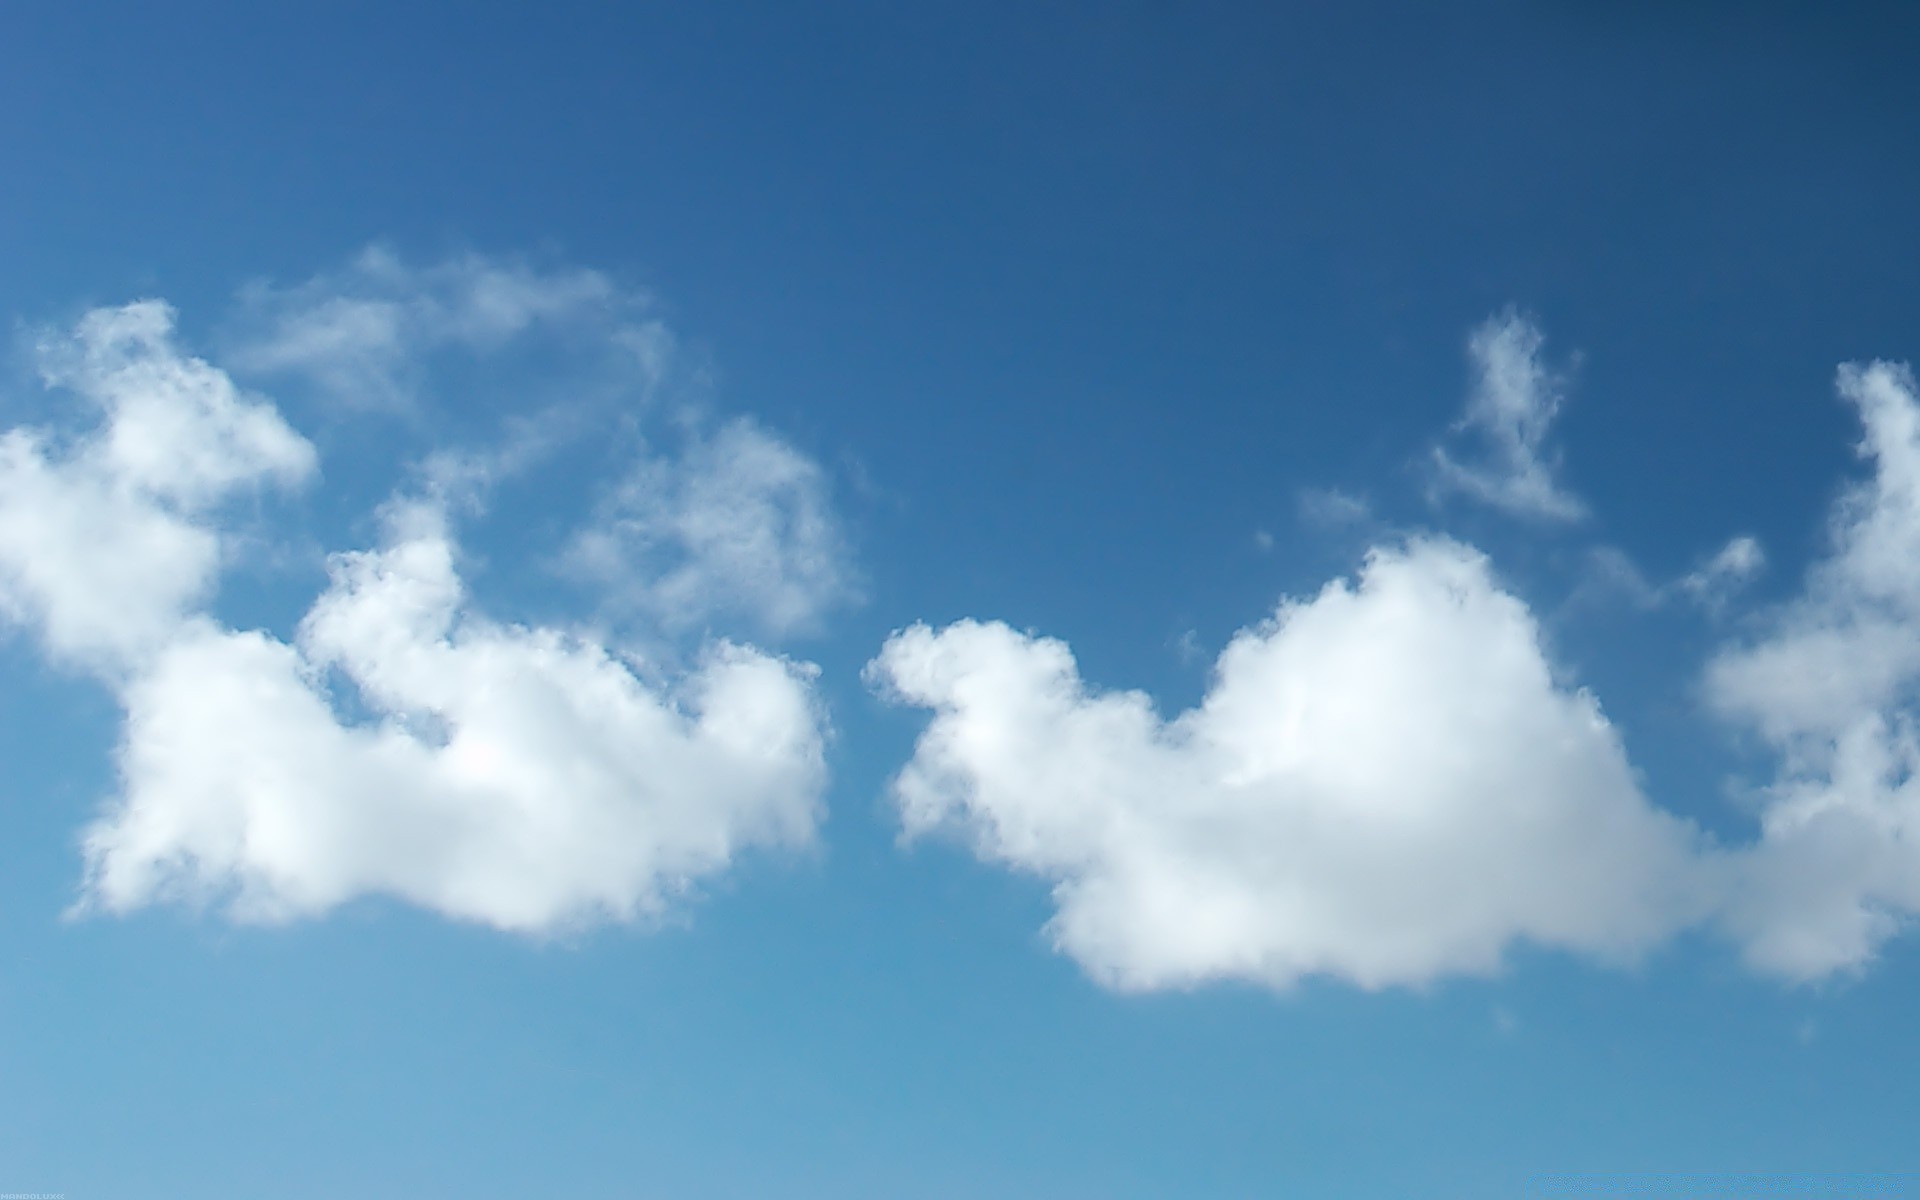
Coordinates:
[1385,784]
[1831,686]
[738,525]
[1508,416]
[518,777]
[106,538]
[403,743]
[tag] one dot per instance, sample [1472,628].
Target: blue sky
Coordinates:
[934,601]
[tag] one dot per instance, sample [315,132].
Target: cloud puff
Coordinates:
[1385,784]
[105,538]
[518,777]
[738,525]
[1508,416]
[402,743]
[1831,685]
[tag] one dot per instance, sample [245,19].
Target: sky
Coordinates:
[944,600]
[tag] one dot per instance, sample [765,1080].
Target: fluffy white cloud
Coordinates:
[518,777]
[1385,784]
[738,525]
[106,538]
[403,743]
[1508,416]
[1831,684]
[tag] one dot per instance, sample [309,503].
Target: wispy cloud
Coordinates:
[1723,576]
[1502,456]
[737,525]
[711,522]
[364,332]
[1711,585]
[1331,508]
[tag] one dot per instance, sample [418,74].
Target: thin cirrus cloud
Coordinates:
[365,332]
[1507,461]
[531,778]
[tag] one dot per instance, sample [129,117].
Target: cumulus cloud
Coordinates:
[519,777]
[107,538]
[402,743]
[1831,685]
[1385,784]
[738,525]
[1508,416]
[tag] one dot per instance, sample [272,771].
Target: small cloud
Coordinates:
[1263,541]
[1187,647]
[1611,576]
[1720,577]
[1509,414]
[1331,508]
